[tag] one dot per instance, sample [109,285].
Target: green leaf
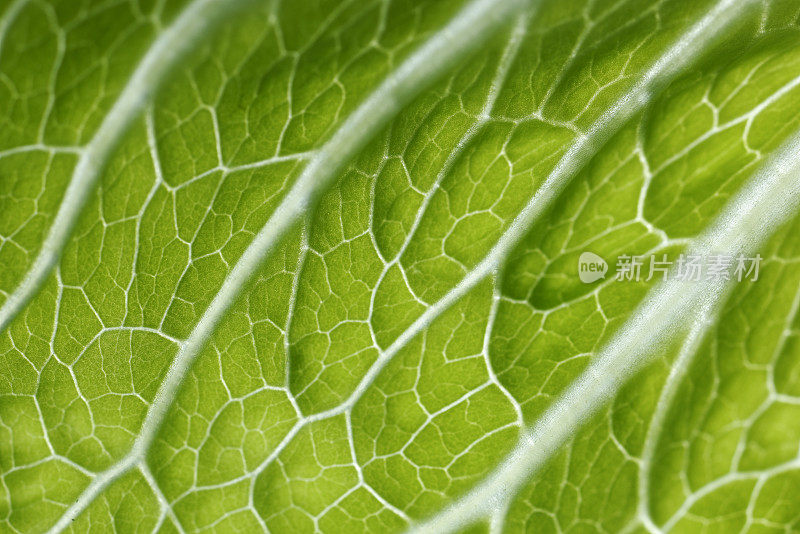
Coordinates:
[312,265]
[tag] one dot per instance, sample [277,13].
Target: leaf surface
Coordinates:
[312,265]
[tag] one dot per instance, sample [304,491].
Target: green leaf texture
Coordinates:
[311,266]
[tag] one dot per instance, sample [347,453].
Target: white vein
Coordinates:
[770,197]
[697,39]
[470,27]
[331,156]
[678,371]
[680,55]
[161,57]
[444,48]
[192,24]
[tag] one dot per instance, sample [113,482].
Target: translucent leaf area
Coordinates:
[313,266]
